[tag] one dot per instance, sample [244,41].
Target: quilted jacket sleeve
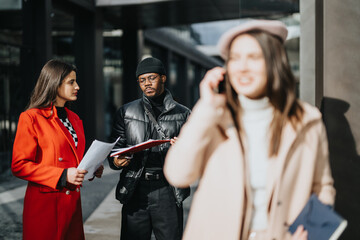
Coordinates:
[118,130]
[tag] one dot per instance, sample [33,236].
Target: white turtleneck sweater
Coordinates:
[256,119]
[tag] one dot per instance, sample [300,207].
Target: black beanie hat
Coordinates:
[150,65]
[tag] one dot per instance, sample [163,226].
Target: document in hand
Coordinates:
[138,147]
[95,156]
[320,220]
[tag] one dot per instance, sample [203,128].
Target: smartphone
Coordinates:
[221,87]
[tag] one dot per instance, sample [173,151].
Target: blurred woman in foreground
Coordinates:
[258,151]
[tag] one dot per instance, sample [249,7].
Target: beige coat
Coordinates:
[208,150]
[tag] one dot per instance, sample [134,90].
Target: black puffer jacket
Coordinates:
[133,126]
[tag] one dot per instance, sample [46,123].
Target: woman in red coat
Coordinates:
[48,147]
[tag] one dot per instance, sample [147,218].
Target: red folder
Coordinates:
[138,147]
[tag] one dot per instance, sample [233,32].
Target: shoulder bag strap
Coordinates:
[156,124]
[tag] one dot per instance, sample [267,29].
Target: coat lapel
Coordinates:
[277,163]
[66,133]
[51,114]
[289,135]
[248,201]
[78,127]
[232,133]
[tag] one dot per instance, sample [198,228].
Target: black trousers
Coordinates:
[152,208]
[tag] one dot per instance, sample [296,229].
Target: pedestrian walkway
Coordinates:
[101,211]
[12,192]
[104,222]
[12,195]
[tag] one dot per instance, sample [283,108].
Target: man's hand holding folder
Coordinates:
[122,160]
[138,147]
[122,156]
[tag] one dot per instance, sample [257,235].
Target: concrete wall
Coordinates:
[307,51]
[342,58]
[341,105]
[329,76]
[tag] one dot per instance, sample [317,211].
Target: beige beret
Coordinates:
[273,27]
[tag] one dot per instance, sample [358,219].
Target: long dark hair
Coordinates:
[280,89]
[51,77]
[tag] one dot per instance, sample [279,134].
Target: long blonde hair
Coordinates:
[280,89]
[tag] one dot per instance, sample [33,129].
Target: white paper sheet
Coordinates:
[95,156]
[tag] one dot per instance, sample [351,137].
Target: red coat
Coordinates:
[43,148]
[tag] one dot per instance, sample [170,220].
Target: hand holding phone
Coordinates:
[213,84]
[221,87]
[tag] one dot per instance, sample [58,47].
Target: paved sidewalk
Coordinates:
[104,222]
